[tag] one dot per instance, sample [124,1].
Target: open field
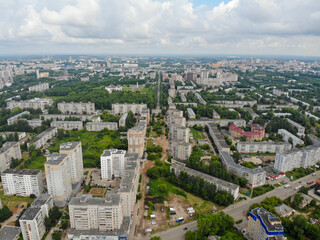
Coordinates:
[93,144]
[13,201]
[197,134]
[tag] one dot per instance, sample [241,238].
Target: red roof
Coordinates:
[234,128]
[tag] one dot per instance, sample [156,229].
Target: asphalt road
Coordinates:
[238,210]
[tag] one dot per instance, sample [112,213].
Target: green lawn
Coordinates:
[197,134]
[160,187]
[38,163]
[261,190]
[299,173]
[93,144]
[13,201]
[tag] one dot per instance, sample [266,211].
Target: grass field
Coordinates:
[197,134]
[160,187]
[261,190]
[93,144]
[38,163]
[13,201]
[299,173]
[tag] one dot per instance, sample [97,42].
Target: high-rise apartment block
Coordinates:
[77,108]
[74,152]
[136,139]
[58,177]
[32,221]
[112,164]
[102,214]
[264,225]
[9,151]
[22,182]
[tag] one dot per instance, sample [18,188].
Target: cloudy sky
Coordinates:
[281,27]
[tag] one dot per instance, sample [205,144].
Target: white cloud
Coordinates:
[166,26]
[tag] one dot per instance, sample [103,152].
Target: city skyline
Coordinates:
[151,27]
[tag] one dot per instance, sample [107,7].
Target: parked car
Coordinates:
[149,230]
[185,228]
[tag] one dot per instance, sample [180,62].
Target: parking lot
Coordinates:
[111,185]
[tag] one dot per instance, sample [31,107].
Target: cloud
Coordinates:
[163,26]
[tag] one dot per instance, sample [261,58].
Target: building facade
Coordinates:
[99,126]
[36,103]
[14,119]
[22,182]
[263,147]
[41,139]
[121,108]
[9,151]
[39,87]
[112,163]
[136,139]
[67,125]
[77,108]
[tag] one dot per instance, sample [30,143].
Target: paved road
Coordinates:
[238,210]
[158,102]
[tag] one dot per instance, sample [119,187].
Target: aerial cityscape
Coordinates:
[143,120]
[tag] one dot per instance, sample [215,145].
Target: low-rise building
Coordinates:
[287,136]
[39,87]
[22,182]
[112,88]
[10,233]
[35,122]
[14,119]
[67,125]
[121,108]
[264,225]
[36,103]
[284,210]
[221,185]
[263,147]
[123,119]
[191,114]
[222,122]
[256,134]
[62,117]
[218,139]
[9,151]
[300,128]
[32,221]
[77,108]
[41,139]
[99,126]
[256,177]
[180,150]
[200,99]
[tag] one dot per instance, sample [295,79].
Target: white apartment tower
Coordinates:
[22,182]
[112,163]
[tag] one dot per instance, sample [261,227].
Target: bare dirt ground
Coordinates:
[97,191]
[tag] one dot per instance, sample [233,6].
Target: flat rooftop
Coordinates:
[55,158]
[69,145]
[9,232]
[85,200]
[21,171]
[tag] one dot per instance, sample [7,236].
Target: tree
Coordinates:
[56,235]
[195,235]
[155,238]
[5,213]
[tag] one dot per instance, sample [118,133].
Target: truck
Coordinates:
[310,182]
[296,188]
[180,219]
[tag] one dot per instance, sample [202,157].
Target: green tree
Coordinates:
[56,235]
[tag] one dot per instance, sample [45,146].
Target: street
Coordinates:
[238,210]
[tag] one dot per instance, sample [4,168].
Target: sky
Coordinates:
[151,27]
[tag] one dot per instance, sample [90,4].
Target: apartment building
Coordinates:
[112,163]
[136,138]
[263,147]
[99,126]
[180,150]
[200,99]
[10,233]
[77,108]
[74,152]
[6,135]
[14,119]
[123,119]
[32,221]
[9,151]
[222,122]
[264,225]
[287,135]
[35,122]
[178,133]
[22,182]
[256,134]
[296,158]
[300,128]
[62,117]
[102,214]
[218,139]
[39,87]
[67,125]
[256,177]
[191,114]
[121,108]
[262,107]
[41,139]
[221,185]
[36,103]
[58,177]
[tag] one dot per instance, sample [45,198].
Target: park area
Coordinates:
[197,134]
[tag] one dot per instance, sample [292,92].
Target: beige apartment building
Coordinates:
[121,108]
[103,214]
[43,137]
[58,178]
[136,138]
[77,108]
[74,152]
[67,125]
[39,87]
[36,103]
[99,126]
